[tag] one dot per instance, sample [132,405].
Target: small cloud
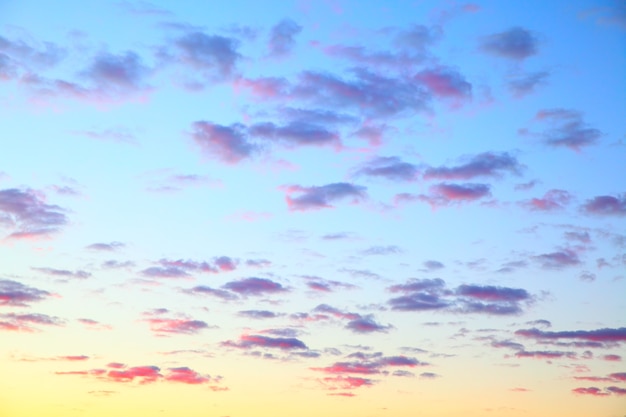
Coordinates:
[516,43]
[315,198]
[254,286]
[106,247]
[606,205]
[282,38]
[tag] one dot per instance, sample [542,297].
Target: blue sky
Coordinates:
[318,207]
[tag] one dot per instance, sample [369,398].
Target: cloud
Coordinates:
[106,247]
[16,294]
[318,197]
[323,285]
[545,354]
[596,392]
[186,375]
[431,265]
[558,260]
[164,272]
[27,214]
[25,322]
[606,205]
[215,56]
[367,325]
[418,37]
[297,133]
[345,382]
[228,144]
[612,358]
[258,314]
[205,290]
[94,324]
[371,94]
[121,73]
[64,273]
[444,194]
[19,57]
[282,36]
[527,83]
[599,335]
[567,129]
[445,82]
[487,164]
[432,294]
[163,325]
[516,43]
[254,286]
[391,168]
[254,341]
[552,200]
[382,250]
[219,264]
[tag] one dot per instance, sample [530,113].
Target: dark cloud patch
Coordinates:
[391,168]
[228,144]
[526,84]
[432,265]
[432,294]
[282,38]
[260,341]
[258,314]
[606,205]
[567,129]
[16,294]
[382,250]
[215,56]
[367,324]
[516,43]
[123,73]
[418,37]
[558,260]
[27,215]
[488,164]
[318,197]
[254,286]
[297,133]
[599,335]
[63,273]
[165,272]
[206,290]
[106,247]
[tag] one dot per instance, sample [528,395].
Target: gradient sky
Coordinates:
[304,208]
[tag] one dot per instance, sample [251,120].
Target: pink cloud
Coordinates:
[252,341]
[552,200]
[16,294]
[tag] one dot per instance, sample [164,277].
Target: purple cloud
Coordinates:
[164,272]
[606,205]
[258,314]
[25,322]
[254,341]
[558,260]
[488,164]
[391,168]
[282,36]
[64,273]
[205,290]
[297,133]
[26,213]
[16,294]
[106,247]
[527,83]
[215,56]
[122,73]
[367,325]
[516,43]
[254,286]
[225,143]
[314,198]
[567,129]
[444,194]
[598,335]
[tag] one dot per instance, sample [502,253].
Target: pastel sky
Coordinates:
[341,208]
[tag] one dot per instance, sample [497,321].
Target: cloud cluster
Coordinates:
[432,294]
[26,214]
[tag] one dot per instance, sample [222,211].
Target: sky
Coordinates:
[303,208]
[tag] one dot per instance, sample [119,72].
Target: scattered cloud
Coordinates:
[26,214]
[254,286]
[282,38]
[488,164]
[606,205]
[16,294]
